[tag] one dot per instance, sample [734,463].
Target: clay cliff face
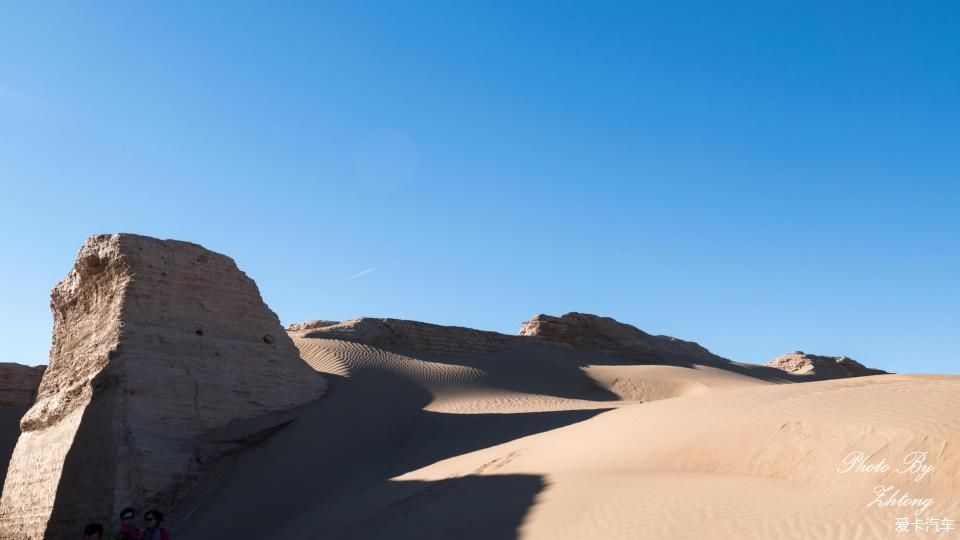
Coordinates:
[18,384]
[822,367]
[616,339]
[154,344]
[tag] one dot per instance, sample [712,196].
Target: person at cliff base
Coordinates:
[127,530]
[154,531]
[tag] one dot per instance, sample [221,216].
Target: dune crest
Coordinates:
[419,337]
[553,441]
[172,384]
[584,331]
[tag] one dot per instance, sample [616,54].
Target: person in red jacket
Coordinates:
[154,531]
[127,530]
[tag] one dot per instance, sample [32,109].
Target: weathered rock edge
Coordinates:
[155,343]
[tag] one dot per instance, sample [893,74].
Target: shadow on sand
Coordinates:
[328,473]
[566,363]
[468,507]
[339,456]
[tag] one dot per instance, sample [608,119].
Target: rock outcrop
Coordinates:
[155,343]
[616,339]
[821,367]
[419,337]
[19,384]
[602,335]
[310,325]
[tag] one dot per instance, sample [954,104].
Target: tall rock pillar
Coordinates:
[155,342]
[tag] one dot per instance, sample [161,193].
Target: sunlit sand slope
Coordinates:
[545,442]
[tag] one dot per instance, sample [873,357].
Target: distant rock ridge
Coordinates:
[599,334]
[603,335]
[614,338]
[155,344]
[419,337]
[310,325]
[822,367]
[19,384]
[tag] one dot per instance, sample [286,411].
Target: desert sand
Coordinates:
[172,384]
[544,442]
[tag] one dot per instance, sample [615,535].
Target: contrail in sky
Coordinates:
[355,276]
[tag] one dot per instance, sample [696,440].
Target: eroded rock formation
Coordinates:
[155,343]
[602,335]
[419,337]
[616,339]
[310,325]
[822,367]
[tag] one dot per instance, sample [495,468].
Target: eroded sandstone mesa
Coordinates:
[155,342]
[616,339]
[822,367]
[420,337]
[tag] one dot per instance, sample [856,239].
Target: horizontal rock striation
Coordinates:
[822,367]
[19,384]
[155,343]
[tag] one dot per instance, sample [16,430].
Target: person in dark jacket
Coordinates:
[154,531]
[127,530]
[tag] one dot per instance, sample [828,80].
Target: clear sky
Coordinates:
[757,177]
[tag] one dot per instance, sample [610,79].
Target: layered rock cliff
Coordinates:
[155,342]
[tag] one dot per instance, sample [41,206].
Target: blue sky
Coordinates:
[758,177]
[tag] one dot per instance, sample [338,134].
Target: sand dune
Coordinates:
[546,442]
[758,462]
[172,384]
